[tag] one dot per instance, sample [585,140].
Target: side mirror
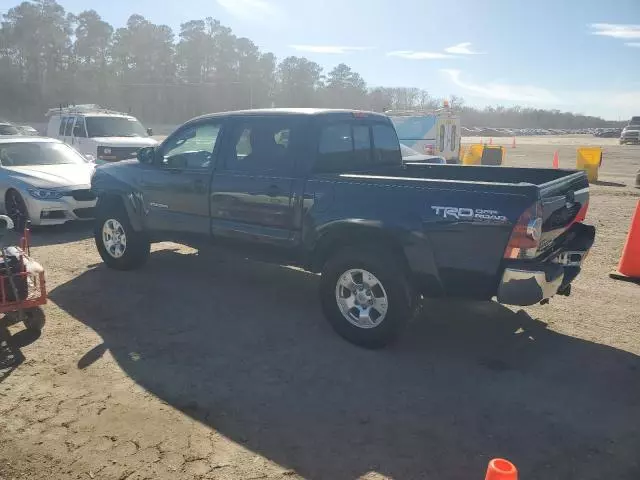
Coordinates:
[146,155]
[150,131]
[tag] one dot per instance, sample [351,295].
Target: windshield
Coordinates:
[9,130]
[23,154]
[114,127]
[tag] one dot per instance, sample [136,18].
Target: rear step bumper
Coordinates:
[527,283]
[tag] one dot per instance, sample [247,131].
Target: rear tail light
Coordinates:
[582,214]
[525,237]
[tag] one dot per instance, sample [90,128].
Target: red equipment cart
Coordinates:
[22,283]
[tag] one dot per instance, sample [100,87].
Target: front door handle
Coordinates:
[274,191]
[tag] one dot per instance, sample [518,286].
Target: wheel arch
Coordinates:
[111,199]
[340,235]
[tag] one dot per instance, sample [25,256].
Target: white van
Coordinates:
[429,132]
[99,134]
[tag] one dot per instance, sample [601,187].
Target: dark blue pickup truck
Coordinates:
[328,190]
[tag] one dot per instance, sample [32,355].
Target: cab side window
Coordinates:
[79,128]
[335,149]
[63,122]
[68,126]
[262,146]
[192,147]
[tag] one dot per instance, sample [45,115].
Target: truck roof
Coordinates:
[288,111]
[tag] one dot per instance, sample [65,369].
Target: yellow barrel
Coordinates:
[589,159]
[473,155]
[461,153]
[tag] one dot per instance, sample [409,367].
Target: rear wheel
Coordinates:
[119,245]
[366,297]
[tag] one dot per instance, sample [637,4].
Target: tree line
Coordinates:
[50,57]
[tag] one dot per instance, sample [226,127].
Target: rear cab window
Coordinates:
[357,145]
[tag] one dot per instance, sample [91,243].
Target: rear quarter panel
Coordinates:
[452,255]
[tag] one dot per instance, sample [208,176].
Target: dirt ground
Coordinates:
[212,366]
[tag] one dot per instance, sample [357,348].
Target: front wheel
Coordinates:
[366,297]
[16,209]
[119,245]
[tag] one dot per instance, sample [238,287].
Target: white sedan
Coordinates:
[45,181]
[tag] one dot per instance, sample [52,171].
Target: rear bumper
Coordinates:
[528,286]
[529,282]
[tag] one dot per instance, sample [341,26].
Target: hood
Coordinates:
[53,176]
[125,141]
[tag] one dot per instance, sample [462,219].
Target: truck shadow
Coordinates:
[242,347]
[57,234]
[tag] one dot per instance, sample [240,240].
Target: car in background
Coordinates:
[101,135]
[631,133]
[44,181]
[28,130]
[7,128]
[410,155]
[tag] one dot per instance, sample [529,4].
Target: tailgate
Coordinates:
[564,202]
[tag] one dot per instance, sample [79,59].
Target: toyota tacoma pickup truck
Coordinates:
[328,190]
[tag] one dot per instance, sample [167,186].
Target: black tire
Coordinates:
[386,268]
[136,252]
[16,209]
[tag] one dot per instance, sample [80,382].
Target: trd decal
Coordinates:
[462,213]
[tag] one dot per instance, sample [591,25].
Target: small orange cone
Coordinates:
[556,160]
[501,469]
[629,266]
[513,143]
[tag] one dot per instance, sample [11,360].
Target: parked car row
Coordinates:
[523,132]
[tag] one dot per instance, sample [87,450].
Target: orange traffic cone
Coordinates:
[500,469]
[513,143]
[629,266]
[556,160]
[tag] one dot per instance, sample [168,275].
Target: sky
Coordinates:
[581,56]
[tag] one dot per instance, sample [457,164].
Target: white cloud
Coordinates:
[462,49]
[633,44]
[503,91]
[616,30]
[413,55]
[333,49]
[252,10]
[610,104]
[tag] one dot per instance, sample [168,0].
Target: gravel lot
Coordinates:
[207,365]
